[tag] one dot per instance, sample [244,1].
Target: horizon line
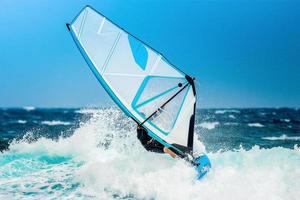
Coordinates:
[100,107]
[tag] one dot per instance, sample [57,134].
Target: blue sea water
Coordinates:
[94,154]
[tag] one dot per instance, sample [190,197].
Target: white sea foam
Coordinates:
[231,116]
[104,160]
[226,111]
[285,120]
[29,108]
[231,123]
[87,111]
[258,125]
[283,137]
[55,123]
[209,125]
[22,121]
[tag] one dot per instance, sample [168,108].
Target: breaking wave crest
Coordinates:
[29,108]
[258,125]
[209,125]
[55,123]
[226,111]
[283,137]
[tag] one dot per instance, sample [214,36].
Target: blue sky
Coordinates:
[242,53]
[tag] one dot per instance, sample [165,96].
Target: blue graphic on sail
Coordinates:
[139,52]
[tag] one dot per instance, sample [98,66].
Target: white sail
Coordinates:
[138,78]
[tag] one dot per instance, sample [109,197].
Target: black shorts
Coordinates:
[154,146]
[148,142]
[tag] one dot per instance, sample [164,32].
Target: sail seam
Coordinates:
[121,74]
[182,103]
[82,22]
[111,52]
[101,26]
[155,64]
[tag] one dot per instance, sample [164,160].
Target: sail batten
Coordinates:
[138,78]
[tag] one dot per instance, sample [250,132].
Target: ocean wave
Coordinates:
[285,120]
[55,123]
[209,125]
[29,108]
[87,111]
[258,125]
[231,123]
[283,137]
[226,111]
[22,121]
[100,161]
[231,116]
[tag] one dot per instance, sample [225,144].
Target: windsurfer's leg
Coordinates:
[171,153]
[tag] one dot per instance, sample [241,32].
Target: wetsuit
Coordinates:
[148,142]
